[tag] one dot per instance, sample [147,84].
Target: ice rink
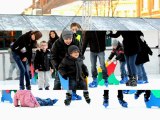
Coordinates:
[80,110]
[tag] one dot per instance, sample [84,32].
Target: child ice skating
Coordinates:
[72,67]
[43,66]
[119,53]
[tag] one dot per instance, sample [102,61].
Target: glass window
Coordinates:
[6,37]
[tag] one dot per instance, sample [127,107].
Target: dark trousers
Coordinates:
[57,83]
[106,94]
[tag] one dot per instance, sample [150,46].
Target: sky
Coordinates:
[14,6]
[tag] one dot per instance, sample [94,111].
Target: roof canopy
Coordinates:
[23,22]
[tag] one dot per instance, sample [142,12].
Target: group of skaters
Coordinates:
[65,54]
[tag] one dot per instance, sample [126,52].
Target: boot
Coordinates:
[22,88]
[76,97]
[47,88]
[142,81]
[67,101]
[94,83]
[86,96]
[138,93]
[40,89]
[28,87]
[132,81]
[105,102]
[10,78]
[124,80]
[123,103]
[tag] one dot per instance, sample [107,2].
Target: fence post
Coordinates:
[4,70]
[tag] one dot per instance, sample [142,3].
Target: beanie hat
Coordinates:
[37,34]
[67,34]
[114,42]
[72,48]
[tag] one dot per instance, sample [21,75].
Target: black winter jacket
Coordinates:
[119,52]
[24,42]
[143,56]
[42,60]
[73,68]
[130,41]
[59,51]
[96,40]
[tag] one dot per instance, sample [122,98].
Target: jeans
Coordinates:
[93,58]
[24,72]
[57,83]
[141,72]
[123,70]
[131,64]
[44,102]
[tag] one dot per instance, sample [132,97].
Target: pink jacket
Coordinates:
[26,99]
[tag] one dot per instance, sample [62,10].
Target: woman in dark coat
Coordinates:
[142,58]
[52,38]
[22,54]
[131,49]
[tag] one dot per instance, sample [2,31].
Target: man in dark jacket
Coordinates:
[96,40]
[43,66]
[142,58]
[59,51]
[131,49]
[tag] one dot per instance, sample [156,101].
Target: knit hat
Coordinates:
[72,48]
[114,42]
[67,34]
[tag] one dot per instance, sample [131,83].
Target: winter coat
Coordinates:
[23,46]
[42,60]
[59,51]
[73,68]
[143,56]
[96,40]
[119,52]
[26,99]
[130,41]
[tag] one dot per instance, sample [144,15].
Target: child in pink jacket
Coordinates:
[27,99]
